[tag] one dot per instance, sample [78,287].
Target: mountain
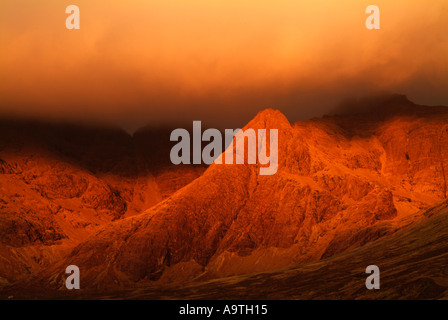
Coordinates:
[343,182]
[59,183]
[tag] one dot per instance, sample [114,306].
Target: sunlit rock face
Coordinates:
[343,181]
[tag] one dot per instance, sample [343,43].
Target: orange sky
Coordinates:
[140,61]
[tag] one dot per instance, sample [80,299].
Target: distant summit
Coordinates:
[385,103]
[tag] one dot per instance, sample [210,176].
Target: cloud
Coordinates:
[139,62]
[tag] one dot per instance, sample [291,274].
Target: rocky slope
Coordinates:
[412,265]
[342,182]
[59,183]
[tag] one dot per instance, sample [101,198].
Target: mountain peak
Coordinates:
[269,119]
[385,103]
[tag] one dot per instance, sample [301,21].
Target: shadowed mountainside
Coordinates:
[59,183]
